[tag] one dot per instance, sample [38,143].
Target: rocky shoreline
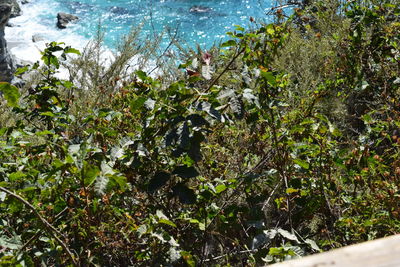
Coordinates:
[8,8]
[16,51]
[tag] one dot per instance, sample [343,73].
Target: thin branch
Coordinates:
[227,254]
[270,196]
[222,73]
[53,231]
[35,236]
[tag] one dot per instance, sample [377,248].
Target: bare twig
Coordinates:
[53,231]
[227,67]
[227,254]
[270,196]
[35,236]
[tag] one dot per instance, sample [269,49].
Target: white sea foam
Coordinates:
[38,18]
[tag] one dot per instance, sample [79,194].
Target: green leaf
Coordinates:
[288,235]
[239,28]
[53,60]
[275,251]
[302,163]
[48,114]
[22,70]
[269,77]
[10,243]
[2,196]
[121,181]
[189,259]
[137,104]
[312,244]
[141,74]
[11,93]
[74,149]
[228,43]
[291,190]
[70,50]
[16,176]
[164,219]
[101,184]
[90,173]
[45,132]
[220,188]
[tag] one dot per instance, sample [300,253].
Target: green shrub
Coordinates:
[280,143]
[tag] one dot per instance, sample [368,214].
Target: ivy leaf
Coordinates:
[11,93]
[159,179]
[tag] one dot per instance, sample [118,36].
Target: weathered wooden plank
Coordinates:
[384,252]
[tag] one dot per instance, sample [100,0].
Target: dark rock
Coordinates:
[119,10]
[200,9]
[37,38]
[18,82]
[63,19]
[15,9]
[6,64]
[23,2]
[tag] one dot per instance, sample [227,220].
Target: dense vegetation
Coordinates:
[282,142]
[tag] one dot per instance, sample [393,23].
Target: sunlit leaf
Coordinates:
[228,43]
[287,235]
[10,93]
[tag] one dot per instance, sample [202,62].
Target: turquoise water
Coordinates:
[118,16]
